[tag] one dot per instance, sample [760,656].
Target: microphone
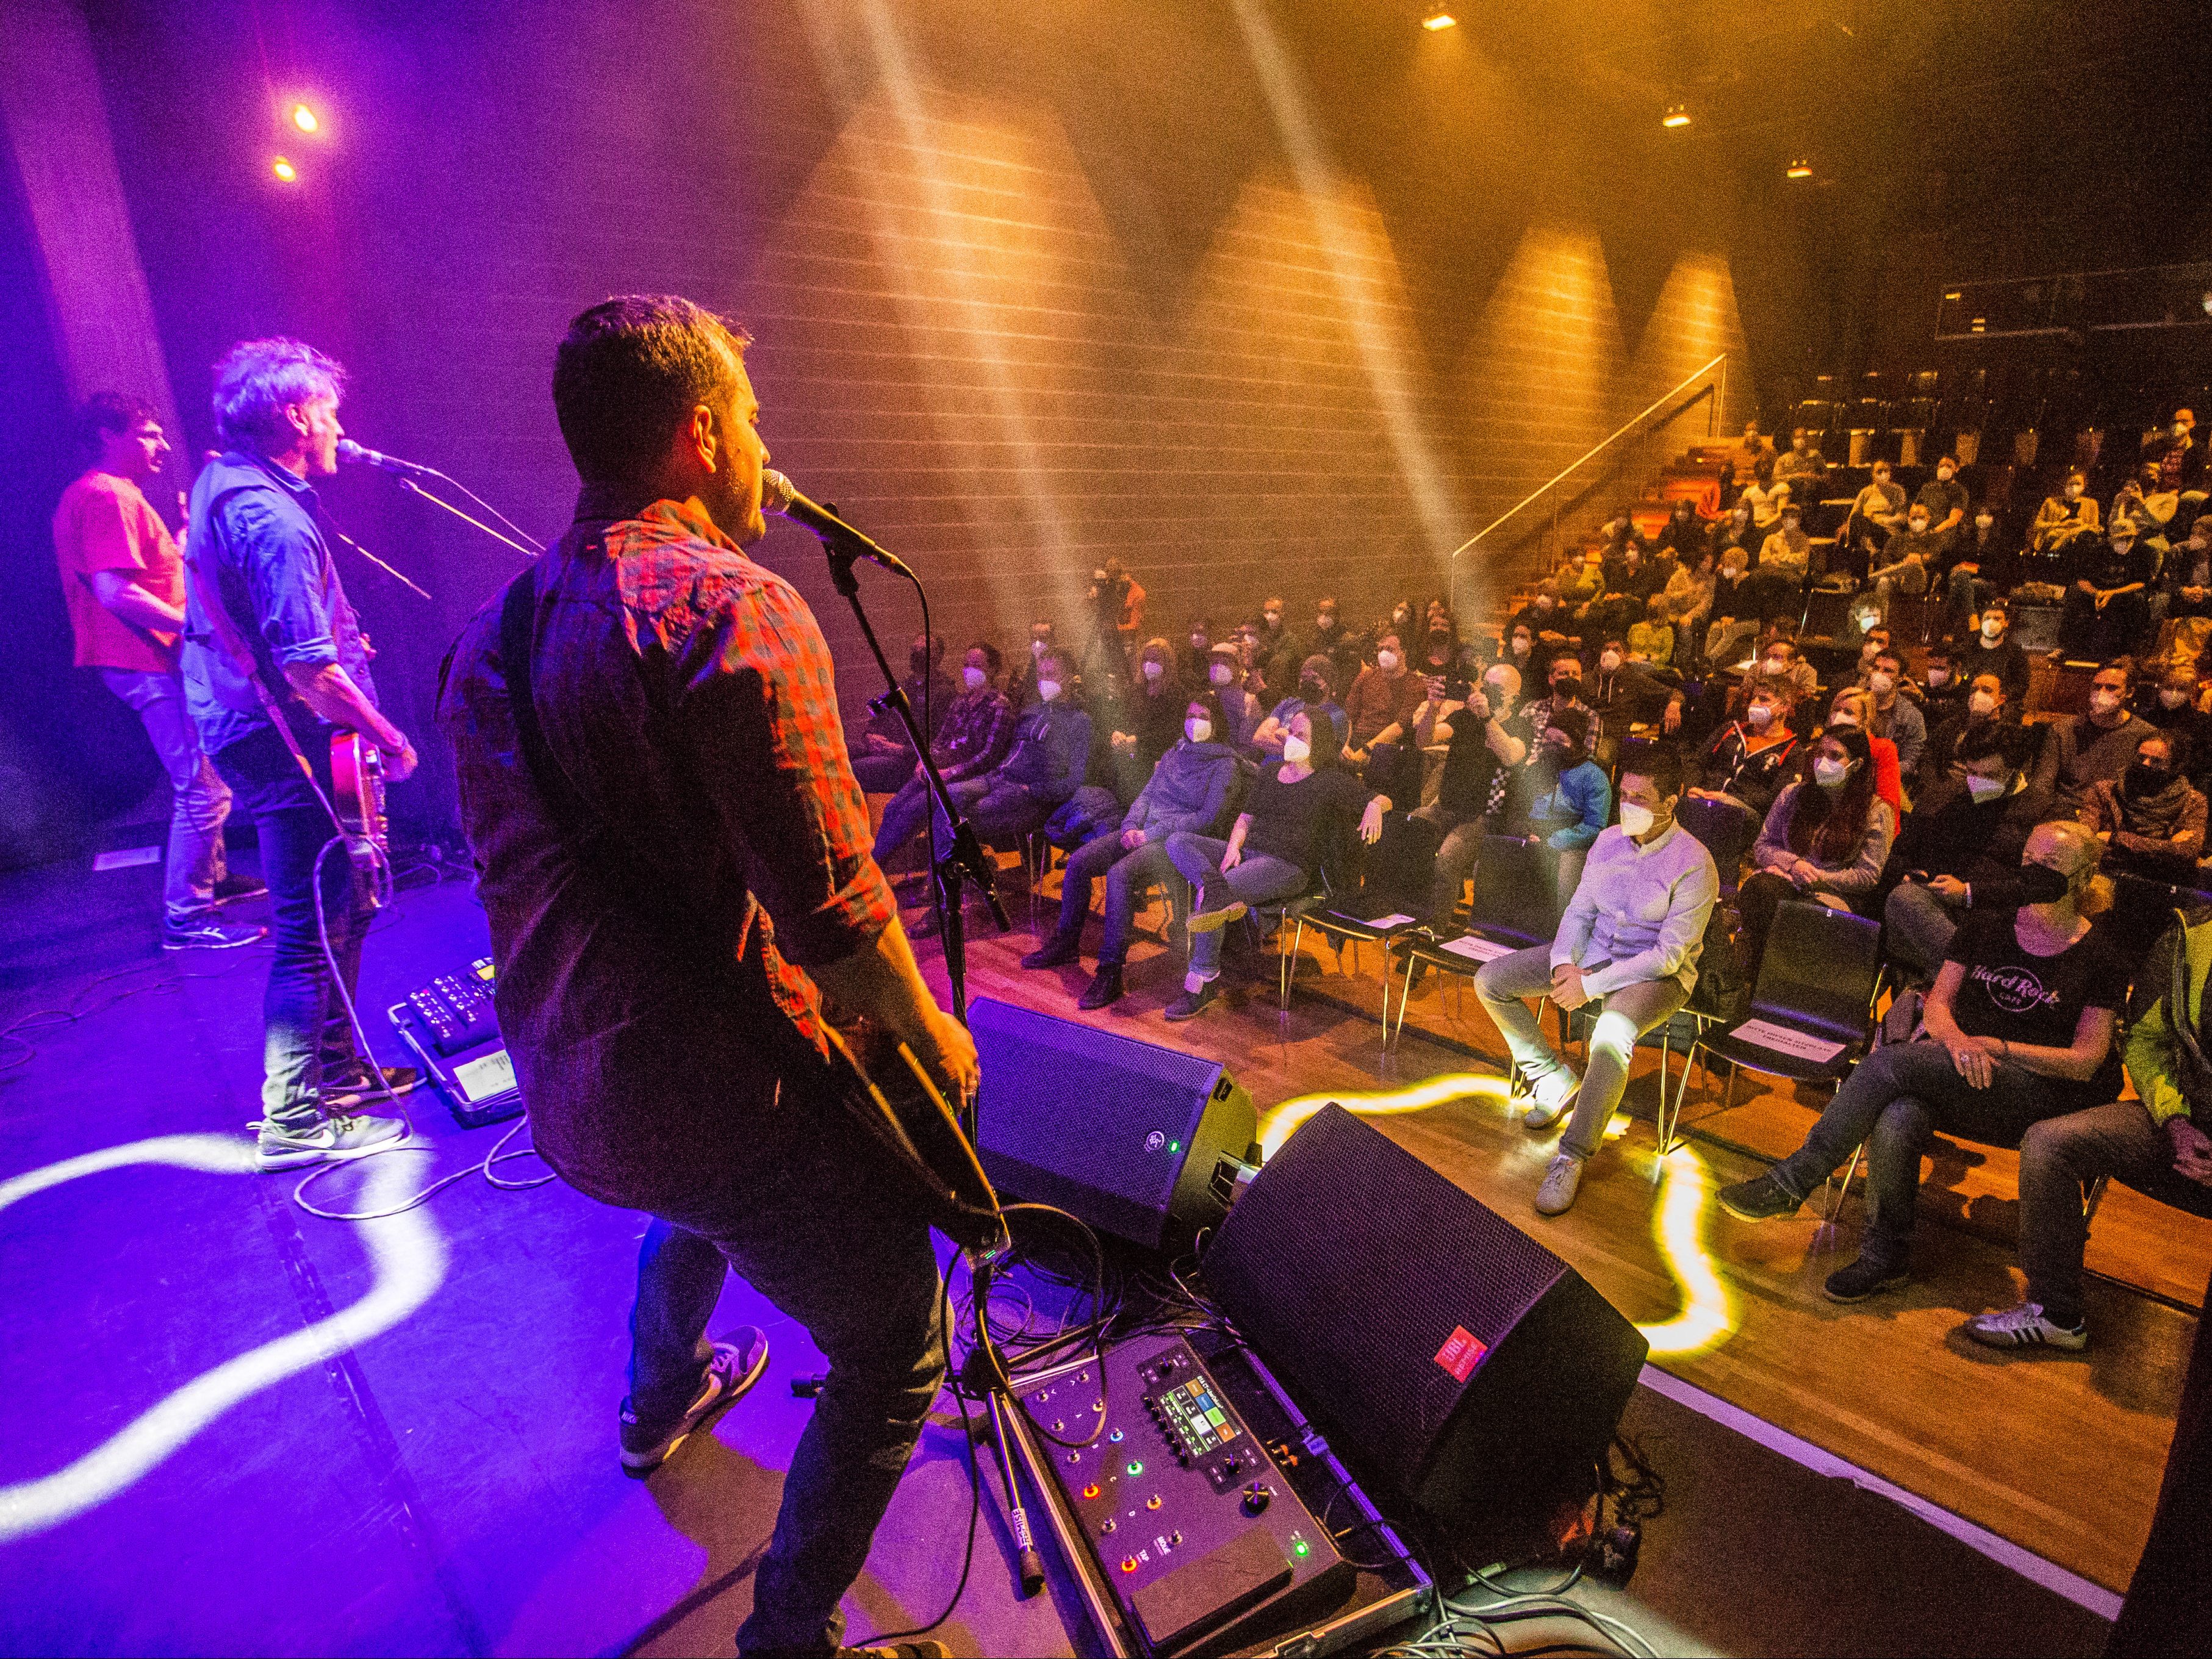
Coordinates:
[779,496]
[353,453]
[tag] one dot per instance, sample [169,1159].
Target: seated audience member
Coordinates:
[1197,654]
[1852,708]
[1893,714]
[1876,511]
[1277,662]
[1945,498]
[1803,467]
[883,759]
[1744,460]
[2060,521]
[1293,823]
[2080,749]
[1188,790]
[1045,765]
[1748,760]
[1581,577]
[1563,685]
[1315,680]
[2155,1144]
[1943,693]
[973,735]
[1622,693]
[1987,710]
[2173,708]
[2141,502]
[2108,608]
[1629,941]
[1959,852]
[1021,692]
[2186,578]
[1779,663]
[1734,529]
[1826,839]
[1981,566]
[1689,593]
[1561,795]
[1543,612]
[1227,677]
[1440,654]
[2018,1029]
[1485,744]
[1143,723]
[2150,818]
[1785,563]
[2174,449]
[1912,550]
[1650,642]
[1767,498]
[1330,638]
[1735,603]
[1992,650]
[1521,651]
[1684,533]
[1383,696]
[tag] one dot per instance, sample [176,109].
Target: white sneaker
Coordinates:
[1561,1182]
[1553,1094]
[341,1135]
[2025,1327]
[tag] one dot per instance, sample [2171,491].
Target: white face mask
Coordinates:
[1984,789]
[1993,628]
[1387,661]
[1296,750]
[973,678]
[1919,525]
[1198,731]
[1760,716]
[1778,665]
[1831,774]
[1221,674]
[1608,660]
[1637,820]
[2173,699]
[2072,490]
[1843,717]
[1869,619]
[1520,646]
[1983,521]
[1155,670]
[1939,678]
[2104,702]
[1037,647]
[1944,473]
[1881,684]
[1984,704]
[1048,690]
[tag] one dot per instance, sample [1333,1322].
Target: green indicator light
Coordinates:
[1175,1146]
[1302,1549]
[1136,1468]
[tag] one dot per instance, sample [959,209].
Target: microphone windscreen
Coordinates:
[776,490]
[351,451]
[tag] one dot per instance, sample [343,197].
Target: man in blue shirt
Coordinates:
[269,634]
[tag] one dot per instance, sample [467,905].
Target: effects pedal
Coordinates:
[451,1027]
[1194,1527]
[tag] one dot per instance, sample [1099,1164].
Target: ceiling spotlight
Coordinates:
[1438,18]
[1800,168]
[304,119]
[285,170]
[1677,115]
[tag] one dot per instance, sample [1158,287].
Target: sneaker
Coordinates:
[1191,1002]
[1209,921]
[1864,1279]
[921,1650]
[1055,952]
[2027,1327]
[1554,1097]
[1762,1198]
[1105,987]
[340,1136]
[349,1088]
[204,933]
[1561,1182]
[736,1366]
[232,889]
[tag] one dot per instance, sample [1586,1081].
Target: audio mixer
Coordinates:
[1192,1525]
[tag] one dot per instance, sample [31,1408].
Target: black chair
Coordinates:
[1818,981]
[1375,909]
[1514,905]
[1728,830]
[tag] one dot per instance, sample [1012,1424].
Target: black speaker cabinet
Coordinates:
[1456,1364]
[1120,1132]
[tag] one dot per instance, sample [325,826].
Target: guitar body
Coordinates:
[357,781]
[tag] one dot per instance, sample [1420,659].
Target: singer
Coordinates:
[675,861]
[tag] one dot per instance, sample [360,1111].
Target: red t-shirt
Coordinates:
[105,523]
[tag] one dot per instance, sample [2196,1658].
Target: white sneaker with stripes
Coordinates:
[2025,1327]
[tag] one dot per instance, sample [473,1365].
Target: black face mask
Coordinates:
[2041,884]
[1569,687]
[1312,691]
[1439,638]
[2146,780]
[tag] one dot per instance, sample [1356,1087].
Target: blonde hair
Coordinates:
[2097,892]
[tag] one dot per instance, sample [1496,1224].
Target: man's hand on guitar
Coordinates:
[399,763]
[949,1052]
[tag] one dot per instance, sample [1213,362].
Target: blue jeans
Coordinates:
[1896,1099]
[819,1245]
[1128,872]
[1256,879]
[305,1026]
[199,799]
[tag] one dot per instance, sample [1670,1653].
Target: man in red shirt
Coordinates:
[123,582]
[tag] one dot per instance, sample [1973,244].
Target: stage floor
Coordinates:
[237,1428]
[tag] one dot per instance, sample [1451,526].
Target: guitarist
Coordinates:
[270,635]
[675,863]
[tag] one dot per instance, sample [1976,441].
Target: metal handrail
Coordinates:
[1576,465]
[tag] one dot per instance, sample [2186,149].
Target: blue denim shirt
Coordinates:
[254,539]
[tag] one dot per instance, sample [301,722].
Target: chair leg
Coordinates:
[2095,1197]
[1386,998]
[1837,1194]
[1728,1099]
[1290,962]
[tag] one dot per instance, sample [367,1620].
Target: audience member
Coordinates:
[1442,654]
[884,759]
[1946,500]
[2150,819]
[2060,521]
[1735,604]
[1628,942]
[1563,684]
[1689,593]
[2085,748]
[1958,851]
[1042,637]
[2019,1028]
[1803,467]
[1384,695]
[1766,498]
[2174,450]
[2107,610]
[1143,723]
[1876,511]
[1197,654]
[1486,742]
[1734,529]
[1564,796]
[1943,693]
[1684,533]
[1852,707]
[1044,765]
[1744,460]
[2141,502]
[1650,642]
[1986,711]
[1293,826]
[1331,639]
[1785,562]
[1779,663]
[1227,674]
[972,738]
[2187,575]
[1826,839]
[1894,716]
[1316,682]
[1912,550]
[1993,651]
[1981,566]
[2173,708]
[1748,760]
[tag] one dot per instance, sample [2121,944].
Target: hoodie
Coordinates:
[1188,790]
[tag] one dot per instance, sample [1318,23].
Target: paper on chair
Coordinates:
[1477,949]
[1395,919]
[1784,1041]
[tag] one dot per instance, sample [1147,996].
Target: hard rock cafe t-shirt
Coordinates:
[2013,994]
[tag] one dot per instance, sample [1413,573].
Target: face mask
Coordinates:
[1311,690]
[2173,699]
[1543,601]
[1048,690]
[1387,661]
[1993,628]
[1881,684]
[1154,670]
[1831,774]
[1880,479]
[972,679]
[1609,660]
[2072,490]
[1296,750]
[1324,621]
[1983,521]
[1520,646]
[1984,789]
[2041,884]
[1938,679]
[1199,644]
[1221,674]
[1984,704]
[1760,716]
[1274,618]
[2146,780]
[1637,820]
[1944,473]
[1037,647]
[1843,717]
[1198,731]
[1777,665]
[1919,525]
[1567,686]
[2104,702]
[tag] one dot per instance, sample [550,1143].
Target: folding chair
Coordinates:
[1728,830]
[1514,905]
[1373,915]
[1276,913]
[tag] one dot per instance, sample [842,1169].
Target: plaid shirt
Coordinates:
[652,944]
[975,734]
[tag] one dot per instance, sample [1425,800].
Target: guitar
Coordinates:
[357,781]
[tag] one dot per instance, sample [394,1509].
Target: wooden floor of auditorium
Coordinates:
[2061,1454]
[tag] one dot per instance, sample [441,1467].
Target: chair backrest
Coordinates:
[1727,829]
[1819,971]
[1516,890]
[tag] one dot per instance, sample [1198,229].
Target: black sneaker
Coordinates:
[233,889]
[1055,952]
[347,1088]
[1762,1198]
[737,1365]
[1864,1279]
[1105,987]
[1191,1004]
[205,933]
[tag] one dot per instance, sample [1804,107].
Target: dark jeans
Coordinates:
[880,774]
[859,1278]
[904,817]
[1257,878]
[1896,1099]
[2094,635]
[305,1026]
[1128,872]
[2058,1159]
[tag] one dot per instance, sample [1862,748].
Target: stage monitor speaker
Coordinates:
[1454,1363]
[1120,1132]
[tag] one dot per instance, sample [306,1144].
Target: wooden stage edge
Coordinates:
[2058,1453]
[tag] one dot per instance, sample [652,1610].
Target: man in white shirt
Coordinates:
[1629,938]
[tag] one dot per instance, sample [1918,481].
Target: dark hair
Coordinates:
[1890,654]
[1983,743]
[2124,666]
[1661,763]
[1320,663]
[992,660]
[110,411]
[1575,722]
[1829,827]
[1053,654]
[1326,750]
[2177,746]
[629,374]
[1206,697]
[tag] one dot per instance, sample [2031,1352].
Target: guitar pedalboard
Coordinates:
[450,1026]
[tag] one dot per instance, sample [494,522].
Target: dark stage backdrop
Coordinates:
[1029,285]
